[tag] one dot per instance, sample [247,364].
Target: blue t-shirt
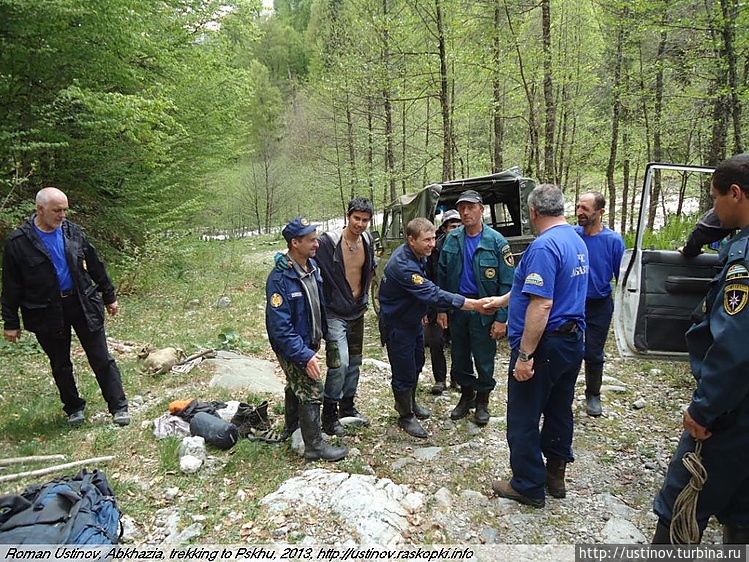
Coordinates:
[605,250]
[467,278]
[555,266]
[55,245]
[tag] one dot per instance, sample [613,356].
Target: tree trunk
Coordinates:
[657,120]
[497,92]
[548,93]
[387,104]
[444,96]
[616,93]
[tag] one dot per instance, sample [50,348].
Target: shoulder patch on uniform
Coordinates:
[737,271]
[490,272]
[276,300]
[417,279]
[534,279]
[507,256]
[735,297]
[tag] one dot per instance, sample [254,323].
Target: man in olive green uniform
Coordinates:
[476,262]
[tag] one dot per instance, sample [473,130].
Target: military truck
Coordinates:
[505,196]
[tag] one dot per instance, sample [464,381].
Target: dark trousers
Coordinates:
[556,364]
[434,339]
[57,347]
[405,347]
[725,456]
[598,314]
[471,343]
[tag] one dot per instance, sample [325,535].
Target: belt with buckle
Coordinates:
[66,294]
[566,329]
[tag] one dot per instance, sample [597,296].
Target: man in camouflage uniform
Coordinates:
[296,323]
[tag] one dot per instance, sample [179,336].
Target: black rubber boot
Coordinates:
[419,411]
[407,420]
[481,415]
[555,471]
[662,533]
[346,409]
[593,380]
[330,423]
[735,535]
[315,447]
[290,414]
[467,398]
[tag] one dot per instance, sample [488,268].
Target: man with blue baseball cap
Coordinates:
[296,324]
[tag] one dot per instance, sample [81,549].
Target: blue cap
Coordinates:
[297,228]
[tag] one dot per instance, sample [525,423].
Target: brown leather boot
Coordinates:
[555,469]
[504,489]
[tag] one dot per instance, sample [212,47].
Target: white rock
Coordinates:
[443,498]
[375,510]
[621,531]
[194,447]
[189,464]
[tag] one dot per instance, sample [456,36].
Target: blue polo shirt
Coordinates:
[605,250]
[555,266]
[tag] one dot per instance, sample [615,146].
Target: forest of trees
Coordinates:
[226,114]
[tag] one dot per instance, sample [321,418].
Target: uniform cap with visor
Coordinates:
[470,196]
[298,228]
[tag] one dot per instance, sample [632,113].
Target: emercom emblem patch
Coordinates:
[735,297]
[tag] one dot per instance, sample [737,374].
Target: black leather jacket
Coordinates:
[30,282]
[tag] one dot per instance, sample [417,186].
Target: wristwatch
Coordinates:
[524,357]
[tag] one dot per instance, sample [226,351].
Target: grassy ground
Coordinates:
[174,304]
[172,300]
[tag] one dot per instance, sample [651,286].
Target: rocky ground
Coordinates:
[441,486]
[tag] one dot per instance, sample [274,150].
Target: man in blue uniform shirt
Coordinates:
[546,325]
[296,323]
[605,250]
[718,414]
[475,261]
[405,295]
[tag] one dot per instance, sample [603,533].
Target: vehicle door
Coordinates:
[658,287]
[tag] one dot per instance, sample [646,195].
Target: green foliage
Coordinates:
[229,339]
[670,236]
[25,346]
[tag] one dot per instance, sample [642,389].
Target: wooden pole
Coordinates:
[50,469]
[34,458]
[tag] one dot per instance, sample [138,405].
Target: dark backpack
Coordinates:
[70,510]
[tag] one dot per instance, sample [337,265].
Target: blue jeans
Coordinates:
[556,364]
[343,381]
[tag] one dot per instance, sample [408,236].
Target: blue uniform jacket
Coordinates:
[717,342]
[406,292]
[288,316]
[493,266]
